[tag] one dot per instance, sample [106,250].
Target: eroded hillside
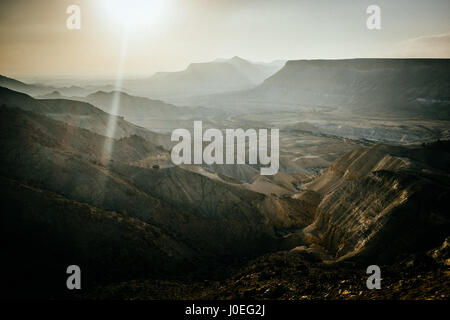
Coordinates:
[126,213]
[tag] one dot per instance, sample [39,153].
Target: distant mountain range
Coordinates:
[133,107]
[130,107]
[80,114]
[16,85]
[389,87]
[141,111]
[40,89]
[220,75]
[406,87]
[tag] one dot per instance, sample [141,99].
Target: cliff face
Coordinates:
[381,201]
[370,86]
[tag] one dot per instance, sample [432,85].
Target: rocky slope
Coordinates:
[289,275]
[383,205]
[20,86]
[382,200]
[217,221]
[37,89]
[104,199]
[44,232]
[80,114]
[139,110]
[417,88]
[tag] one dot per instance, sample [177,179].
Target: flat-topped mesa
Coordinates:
[371,63]
[374,87]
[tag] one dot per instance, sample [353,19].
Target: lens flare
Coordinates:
[112,121]
[135,13]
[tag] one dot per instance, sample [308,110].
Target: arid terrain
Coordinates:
[87,179]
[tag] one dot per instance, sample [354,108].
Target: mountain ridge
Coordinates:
[408,88]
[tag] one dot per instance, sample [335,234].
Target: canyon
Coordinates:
[363,179]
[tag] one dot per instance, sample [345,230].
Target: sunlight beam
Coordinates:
[135,13]
[115,107]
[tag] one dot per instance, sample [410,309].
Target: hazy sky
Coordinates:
[167,35]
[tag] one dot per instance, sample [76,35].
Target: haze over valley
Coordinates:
[87,172]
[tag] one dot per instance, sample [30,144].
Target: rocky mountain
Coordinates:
[154,115]
[52,95]
[383,204]
[40,90]
[137,109]
[33,89]
[257,72]
[44,232]
[81,91]
[381,201]
[204,78]
[80,114]
[79,148]
[362,209]
[395,87]
[49,165]
[113,201]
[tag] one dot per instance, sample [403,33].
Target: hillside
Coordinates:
[383,205]
[37,89]
[417,88]
[246,235]
[20,86]
[373,197]
[214,218]
[138,109]
[43,242]
[80,114]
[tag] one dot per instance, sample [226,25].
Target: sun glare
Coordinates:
[135,13]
